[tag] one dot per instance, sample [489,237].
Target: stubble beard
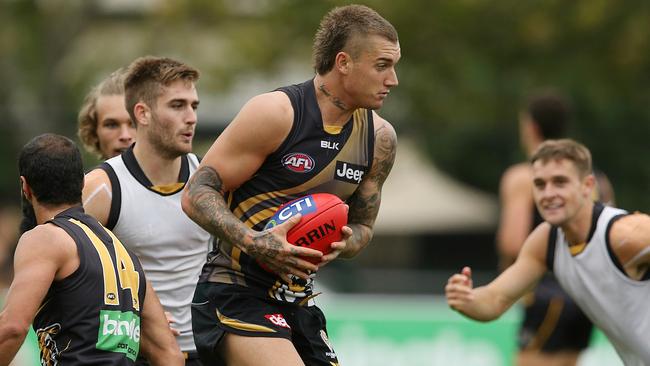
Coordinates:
[162,141]
[28,221]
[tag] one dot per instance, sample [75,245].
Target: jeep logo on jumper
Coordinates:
[298,162]
[303,206]
[119,332]
[350,173]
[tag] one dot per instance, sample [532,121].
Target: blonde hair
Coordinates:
[565,149]
[87,117]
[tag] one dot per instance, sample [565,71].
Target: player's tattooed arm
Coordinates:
[364,203]
[203,202]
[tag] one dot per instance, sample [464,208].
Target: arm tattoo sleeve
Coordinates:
[209,210]
[385,150]
[364,203]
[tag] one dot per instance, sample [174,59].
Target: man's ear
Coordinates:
[343,62]
[590,184]
[25,188]
[142,113]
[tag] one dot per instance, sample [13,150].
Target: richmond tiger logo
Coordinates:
[49,351]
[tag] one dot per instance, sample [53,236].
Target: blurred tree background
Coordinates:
[466,65]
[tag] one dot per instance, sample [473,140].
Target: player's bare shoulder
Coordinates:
[262,123]
[97,194]
[50,243]
[45,233]
[629,237]
[536,245]
[272,110]
[634,226]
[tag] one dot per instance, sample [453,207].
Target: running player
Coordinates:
[318,136]
[138,193]
[554,330]
[84,292]
[105,127]
[600,255]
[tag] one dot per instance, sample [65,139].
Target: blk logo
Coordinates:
[348,172]
[298,162]
[329,145]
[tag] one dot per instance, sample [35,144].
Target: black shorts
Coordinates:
[219,308]
[553,322]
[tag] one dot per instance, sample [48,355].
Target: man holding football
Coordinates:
[318,136]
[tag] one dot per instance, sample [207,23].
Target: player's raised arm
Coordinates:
[488,302]
[364,203]
[257,131]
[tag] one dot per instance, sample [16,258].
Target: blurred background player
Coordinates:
[554,330]
[138,193]
[58,266]
[318,136]
[9,233]
[600,255]
[104,125]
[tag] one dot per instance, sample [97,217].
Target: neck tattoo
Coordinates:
[335,100]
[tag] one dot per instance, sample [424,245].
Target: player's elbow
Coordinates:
[12,330]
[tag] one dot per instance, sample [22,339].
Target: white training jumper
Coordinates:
[172,248]
[617,304]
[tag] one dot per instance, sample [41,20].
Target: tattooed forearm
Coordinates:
[364,203]
[363,207]
[271,247]
[361,218]
[204,203]
[361,235]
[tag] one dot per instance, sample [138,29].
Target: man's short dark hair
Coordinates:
[339,26]
[550,111]
[147,76]
[52,166]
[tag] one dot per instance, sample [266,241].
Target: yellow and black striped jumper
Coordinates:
[92,317]
[313,158]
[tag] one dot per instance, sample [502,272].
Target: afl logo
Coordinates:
[298,162]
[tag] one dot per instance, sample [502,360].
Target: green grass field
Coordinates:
[411,331]
[418,331]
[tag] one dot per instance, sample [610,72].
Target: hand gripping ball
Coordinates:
[323,216]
